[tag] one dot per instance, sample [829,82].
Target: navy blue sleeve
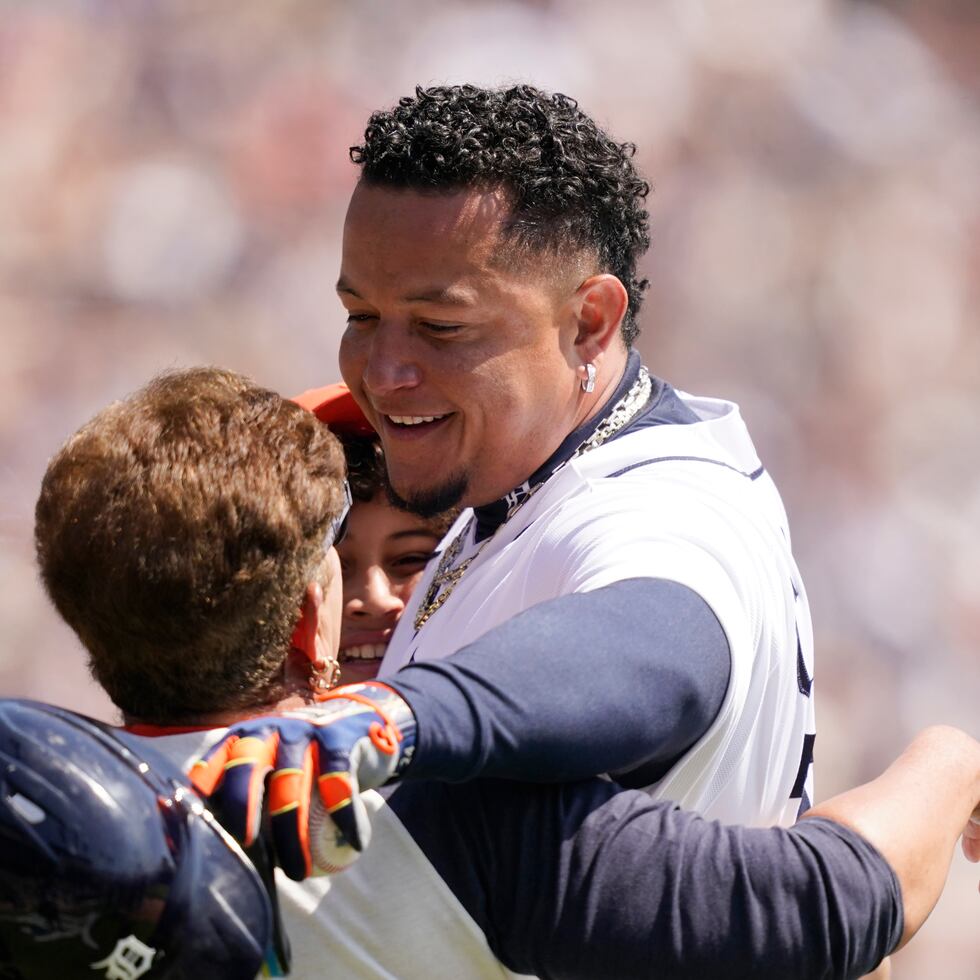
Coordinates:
[622,680]
[583,880]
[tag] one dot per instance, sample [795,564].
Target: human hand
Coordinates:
[359,737]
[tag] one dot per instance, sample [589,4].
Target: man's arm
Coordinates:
[936,781]
[622,679]
[623,886]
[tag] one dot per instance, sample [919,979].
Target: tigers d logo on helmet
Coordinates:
[110,865]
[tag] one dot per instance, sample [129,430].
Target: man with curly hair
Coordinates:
[623,568]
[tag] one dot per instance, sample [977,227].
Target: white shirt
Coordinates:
[689,503]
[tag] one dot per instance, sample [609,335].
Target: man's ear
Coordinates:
[305,634]
[602,304]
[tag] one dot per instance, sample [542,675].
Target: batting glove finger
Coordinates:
[340,796]
[289,793]
[232,774]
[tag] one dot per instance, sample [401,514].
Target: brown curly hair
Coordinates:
[176,533]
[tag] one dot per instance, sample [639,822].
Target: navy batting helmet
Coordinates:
[110,865]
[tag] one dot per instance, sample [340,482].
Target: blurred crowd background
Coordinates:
[173,181]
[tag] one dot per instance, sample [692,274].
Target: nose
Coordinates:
[370,596]
[390,362]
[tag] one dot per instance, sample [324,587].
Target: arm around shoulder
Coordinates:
[641,667]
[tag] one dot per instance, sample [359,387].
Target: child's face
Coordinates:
[382,558]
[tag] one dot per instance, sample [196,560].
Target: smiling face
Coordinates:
[382,557]
[464,364]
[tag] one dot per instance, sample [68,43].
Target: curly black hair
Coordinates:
[366,473]
[571,184]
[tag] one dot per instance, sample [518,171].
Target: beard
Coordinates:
[432,501]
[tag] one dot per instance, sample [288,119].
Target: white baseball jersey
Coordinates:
[692,504]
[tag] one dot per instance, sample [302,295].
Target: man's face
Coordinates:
[464,364]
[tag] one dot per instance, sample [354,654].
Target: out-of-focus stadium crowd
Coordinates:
[173,179]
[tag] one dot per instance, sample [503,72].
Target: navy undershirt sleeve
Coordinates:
[620,680]
[584,880]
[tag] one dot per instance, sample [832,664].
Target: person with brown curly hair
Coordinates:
[197,515]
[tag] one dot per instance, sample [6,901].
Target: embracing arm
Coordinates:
[625,886]
[622,679]
[915,812]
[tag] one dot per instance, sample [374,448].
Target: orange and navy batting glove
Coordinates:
[359,737]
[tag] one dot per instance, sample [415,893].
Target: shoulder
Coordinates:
[696,518]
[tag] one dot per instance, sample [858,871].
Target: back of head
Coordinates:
[573,189]
[176,533]
[110,866]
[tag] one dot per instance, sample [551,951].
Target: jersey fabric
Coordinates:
[684,499]
[499,879]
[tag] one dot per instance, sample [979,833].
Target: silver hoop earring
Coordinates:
[588,383]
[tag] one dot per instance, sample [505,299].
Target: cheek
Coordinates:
[337,603]
[530,402]
[353,588]
[497,391]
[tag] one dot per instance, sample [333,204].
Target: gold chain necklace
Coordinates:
[447,575]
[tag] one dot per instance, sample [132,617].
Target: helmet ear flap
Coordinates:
[110,865]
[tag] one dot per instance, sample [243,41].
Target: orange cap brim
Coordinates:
[335,406]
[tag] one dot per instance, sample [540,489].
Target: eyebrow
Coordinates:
[414,533]
[344,287]
[447,296]
[441,295]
